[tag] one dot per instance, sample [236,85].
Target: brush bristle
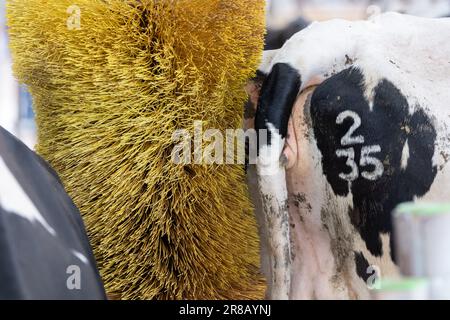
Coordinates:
[109,96]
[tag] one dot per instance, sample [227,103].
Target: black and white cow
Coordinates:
[44,249]
[358,116]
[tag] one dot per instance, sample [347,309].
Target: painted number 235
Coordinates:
[367,152]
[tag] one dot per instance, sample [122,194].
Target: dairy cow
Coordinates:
[358,116]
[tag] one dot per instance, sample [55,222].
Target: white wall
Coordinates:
[423,8]
[10,118]
[8,87]
[281,12]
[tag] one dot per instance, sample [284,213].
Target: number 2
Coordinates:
[348,139]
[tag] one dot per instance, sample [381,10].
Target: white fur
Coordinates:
[273,191]
[405,156]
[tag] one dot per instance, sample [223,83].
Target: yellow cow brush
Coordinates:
[111,81]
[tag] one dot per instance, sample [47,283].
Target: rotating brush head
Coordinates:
[111,81]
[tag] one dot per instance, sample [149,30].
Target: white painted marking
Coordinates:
[350,154]
[366,151]
[367,160]
[347,139]
[14,199]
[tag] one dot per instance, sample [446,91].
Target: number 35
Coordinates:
[366,152]
[366,160]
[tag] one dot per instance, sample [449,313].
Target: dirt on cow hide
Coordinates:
[341,238]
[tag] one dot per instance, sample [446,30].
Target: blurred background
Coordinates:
[16,113]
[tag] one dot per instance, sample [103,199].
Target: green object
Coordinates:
[404,284]
[423,209]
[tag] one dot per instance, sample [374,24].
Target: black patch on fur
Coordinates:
[389,125]
[278,94]
[362,266]
[260,77]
